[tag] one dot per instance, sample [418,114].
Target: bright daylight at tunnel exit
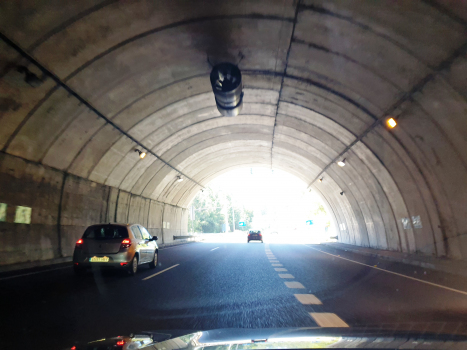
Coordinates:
[248,174]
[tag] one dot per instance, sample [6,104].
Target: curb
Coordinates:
[436,265]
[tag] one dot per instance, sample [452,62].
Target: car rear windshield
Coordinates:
[255,232]
[106,232]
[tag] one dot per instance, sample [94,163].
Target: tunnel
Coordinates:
[320,81]
[108,115]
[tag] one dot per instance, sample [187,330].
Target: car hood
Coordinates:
[288,338]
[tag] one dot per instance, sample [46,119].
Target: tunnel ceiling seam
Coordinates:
[324,11]
[297,6]
[63,26]
[171,26]
[347,58]
[184,150]
[318,85]
[444,65]
[28,116]
[161,141]
[84,101]
[445,11]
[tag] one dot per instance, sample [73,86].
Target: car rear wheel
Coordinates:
[133,266]
[153,263]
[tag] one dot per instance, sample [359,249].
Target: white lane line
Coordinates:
[327,319]
[272,257]
[277,265]
[280,269]
[286,275]
[34,273]
[394,273]
[308,299]
[214,249]
[171,267]
[274,261]
[296,285]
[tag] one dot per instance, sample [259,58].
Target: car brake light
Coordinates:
[79,243]
[73,348]
[121,343]
[126,243]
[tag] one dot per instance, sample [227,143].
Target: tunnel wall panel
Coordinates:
[62,206]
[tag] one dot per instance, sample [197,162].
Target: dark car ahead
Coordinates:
[122,246]
[255,236]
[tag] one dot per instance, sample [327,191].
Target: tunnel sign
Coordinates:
[241,223]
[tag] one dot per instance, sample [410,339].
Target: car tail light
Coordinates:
[120,343]
[126,243]
[79,243]
[73,348]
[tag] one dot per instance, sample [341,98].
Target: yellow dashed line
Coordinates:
[326,319]
[308,299]
[294,284]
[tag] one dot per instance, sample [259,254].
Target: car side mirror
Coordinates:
[154,238]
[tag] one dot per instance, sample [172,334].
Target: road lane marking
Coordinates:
[394,273]
[327,319]
[34,273]
[286,275]
[296,285]
[214,249]
[272,257]
[280,269]
[308,299]
[171,267]
[277,265]
[274,261]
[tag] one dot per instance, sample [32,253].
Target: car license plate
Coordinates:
[99,259]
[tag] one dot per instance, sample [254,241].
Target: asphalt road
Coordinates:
[225,285]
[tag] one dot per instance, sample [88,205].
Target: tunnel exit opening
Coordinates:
[274,202]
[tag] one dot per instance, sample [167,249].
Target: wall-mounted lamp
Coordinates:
[141,153]
[341,163]
[320,180]
[30,77]
[179,178]
[391,122]
[342,193]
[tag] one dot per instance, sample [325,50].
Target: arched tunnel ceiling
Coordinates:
[319,79]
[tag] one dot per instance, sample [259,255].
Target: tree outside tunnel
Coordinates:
[212,212]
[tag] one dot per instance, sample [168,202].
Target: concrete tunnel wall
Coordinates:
[320,78]
[63,205]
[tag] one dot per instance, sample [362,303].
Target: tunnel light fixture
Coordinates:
[179,178]
[226,82]
[341,163]
[342,193]
[141,153]
[391,122]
